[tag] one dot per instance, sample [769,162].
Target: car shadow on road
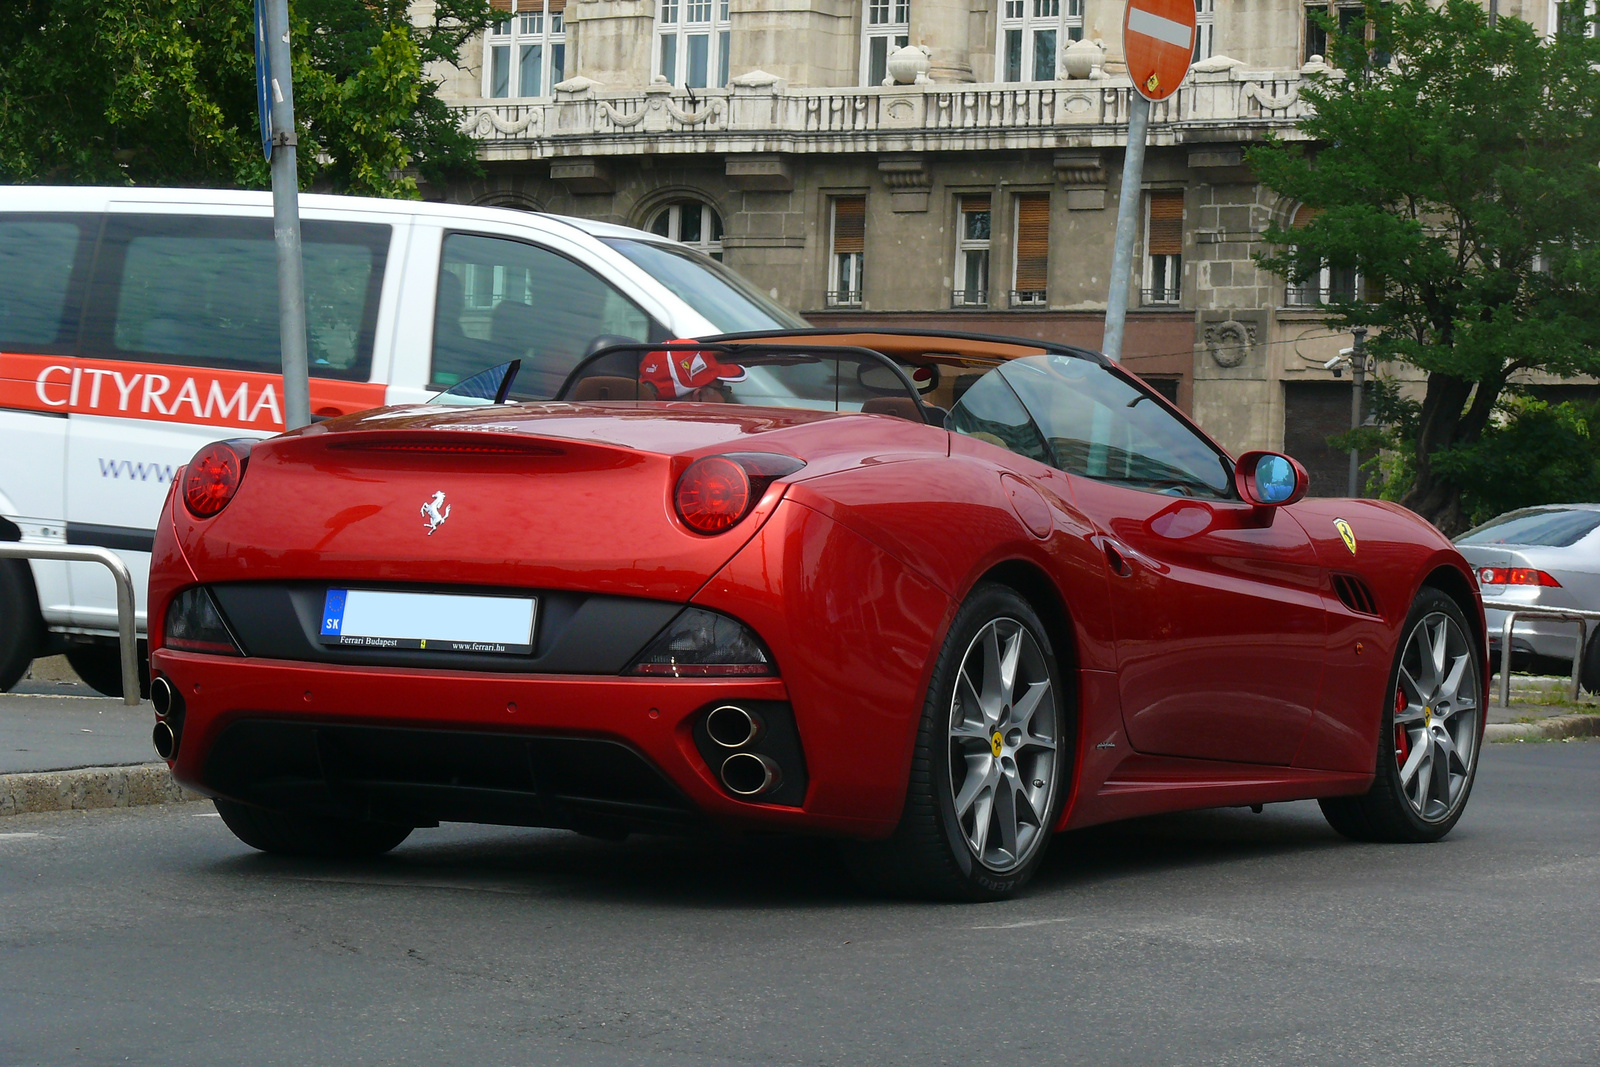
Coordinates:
[765,871]
[1157,844]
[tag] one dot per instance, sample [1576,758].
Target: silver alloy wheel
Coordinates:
[1437,708]
[1004,727]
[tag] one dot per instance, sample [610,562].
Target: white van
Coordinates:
[137,324]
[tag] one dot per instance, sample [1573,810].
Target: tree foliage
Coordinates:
[162,92]
[1459,179]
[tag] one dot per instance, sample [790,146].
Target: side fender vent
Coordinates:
[1355,594]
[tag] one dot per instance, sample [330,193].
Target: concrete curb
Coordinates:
[90,787]
[1555,728]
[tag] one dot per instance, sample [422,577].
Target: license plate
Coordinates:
[434,622]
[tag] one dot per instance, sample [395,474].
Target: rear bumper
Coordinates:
[236,710]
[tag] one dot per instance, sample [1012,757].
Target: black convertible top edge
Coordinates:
[960,335]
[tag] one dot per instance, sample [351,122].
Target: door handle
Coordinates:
[1116,558]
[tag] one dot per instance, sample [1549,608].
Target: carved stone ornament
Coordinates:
[1082,59]
[909,65]
[756,79]
[1230,343]
[904,171]
[1216,64]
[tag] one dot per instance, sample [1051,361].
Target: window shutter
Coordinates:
[974,203]
[555,5]
[849,224]
[501,5]
[1033,242]
[1165,237]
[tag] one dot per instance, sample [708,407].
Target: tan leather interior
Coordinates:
[607,387]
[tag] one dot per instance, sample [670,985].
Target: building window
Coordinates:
[1205,28]
[692,42]
[1570,16]
[527,52]
[972,254]
[888,26]
[692,223]
[1163,248]
[1329,284]
[1349,17]
[1030,31]
[846,245]
[1030,277]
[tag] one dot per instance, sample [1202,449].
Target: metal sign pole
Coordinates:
[286,221]
[1358,367]
[1127,225]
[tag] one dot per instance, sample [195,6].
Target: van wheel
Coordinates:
[100,666]
[21,625]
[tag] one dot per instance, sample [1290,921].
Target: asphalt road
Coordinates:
[150,936]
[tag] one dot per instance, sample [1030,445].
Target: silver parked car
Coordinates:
[1546,557]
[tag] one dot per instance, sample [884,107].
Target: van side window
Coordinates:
[38,307]
[502,299]
[203,291]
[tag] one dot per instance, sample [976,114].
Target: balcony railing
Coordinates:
[764,115]
[1028,298]
[969,298]
[844,298]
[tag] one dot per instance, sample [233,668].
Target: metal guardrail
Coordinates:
[127,637]
[1523,611]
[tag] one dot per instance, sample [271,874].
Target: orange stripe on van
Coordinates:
[162,393]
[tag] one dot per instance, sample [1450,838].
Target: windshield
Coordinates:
[787,376]
[1545,529]
[726,300]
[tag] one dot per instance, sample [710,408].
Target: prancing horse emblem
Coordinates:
[435,511]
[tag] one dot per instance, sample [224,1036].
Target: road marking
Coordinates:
[1174,33]
[206,815]
[11,836]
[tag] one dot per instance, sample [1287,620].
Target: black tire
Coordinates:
[292,834]
[930,854]
[1589,673]
[21,627]
[100,666]
[1386,812]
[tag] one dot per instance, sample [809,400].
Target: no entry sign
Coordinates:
[1158,39]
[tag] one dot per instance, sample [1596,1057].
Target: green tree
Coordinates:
[162,92]
[1460,180]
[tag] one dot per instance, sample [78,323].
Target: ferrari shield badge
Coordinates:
[435,511]
[1346,534]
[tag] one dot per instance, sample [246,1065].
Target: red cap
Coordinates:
[676,374]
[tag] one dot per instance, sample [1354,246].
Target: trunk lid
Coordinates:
[554,496]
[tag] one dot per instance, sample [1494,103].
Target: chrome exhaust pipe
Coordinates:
[749,774]
[163,696]
[165,740]
[732,726]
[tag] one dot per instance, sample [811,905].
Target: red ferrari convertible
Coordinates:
[937,595]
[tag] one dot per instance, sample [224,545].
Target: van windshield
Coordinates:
[726,300]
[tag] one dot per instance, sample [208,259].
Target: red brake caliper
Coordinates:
[1402,740]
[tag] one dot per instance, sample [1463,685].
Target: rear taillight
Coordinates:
[704,644]
[213,476]
[1515,576]
[715,492]
[195,625]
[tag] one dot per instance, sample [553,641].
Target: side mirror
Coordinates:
[1270,479]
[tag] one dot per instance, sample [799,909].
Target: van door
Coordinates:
[44,265]
[180,346]
[498,298]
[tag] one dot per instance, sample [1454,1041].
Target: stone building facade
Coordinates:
[952,164]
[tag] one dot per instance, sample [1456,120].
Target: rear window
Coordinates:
[36,257]
[203,291]
[1543,528]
